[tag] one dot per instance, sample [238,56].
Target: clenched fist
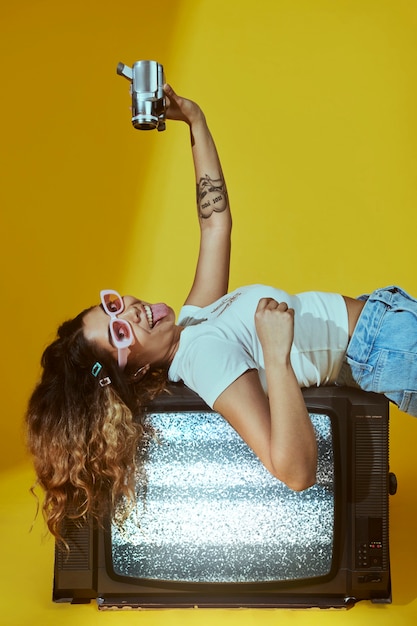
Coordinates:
[274,323]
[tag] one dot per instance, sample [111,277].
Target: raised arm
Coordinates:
[212,273]
[278,427]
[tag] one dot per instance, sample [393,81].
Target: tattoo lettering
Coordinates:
[211,196]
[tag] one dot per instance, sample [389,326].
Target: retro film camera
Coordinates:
[148,100]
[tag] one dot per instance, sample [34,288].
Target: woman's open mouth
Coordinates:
[155,312]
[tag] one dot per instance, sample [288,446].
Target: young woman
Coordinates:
[246,353]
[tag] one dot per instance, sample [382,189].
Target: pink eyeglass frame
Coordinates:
[122,345]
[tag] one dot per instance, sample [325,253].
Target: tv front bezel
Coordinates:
[334,589]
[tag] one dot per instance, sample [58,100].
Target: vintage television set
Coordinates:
[212,528]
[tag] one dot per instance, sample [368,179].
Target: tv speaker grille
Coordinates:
[78,540]
[371,478]
[371,464]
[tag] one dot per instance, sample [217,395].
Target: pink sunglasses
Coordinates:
[120,330]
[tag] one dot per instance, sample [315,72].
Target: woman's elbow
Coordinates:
[301,484]
[296,479]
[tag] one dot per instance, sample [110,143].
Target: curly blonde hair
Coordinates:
[84,437]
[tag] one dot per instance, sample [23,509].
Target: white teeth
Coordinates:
[149,315]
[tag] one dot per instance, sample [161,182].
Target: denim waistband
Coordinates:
[371,319]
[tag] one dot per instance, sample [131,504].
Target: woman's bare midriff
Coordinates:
[354,309]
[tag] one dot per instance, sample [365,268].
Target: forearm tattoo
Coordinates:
[211,196]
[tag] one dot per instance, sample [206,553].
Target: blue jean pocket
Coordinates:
[361,374]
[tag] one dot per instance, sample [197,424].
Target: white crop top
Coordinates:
[219,342]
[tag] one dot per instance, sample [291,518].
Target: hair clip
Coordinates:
[96,369]
[103,382]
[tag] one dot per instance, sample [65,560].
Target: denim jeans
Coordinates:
[382,353]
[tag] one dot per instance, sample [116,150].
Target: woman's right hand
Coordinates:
[274,323]
[182,109]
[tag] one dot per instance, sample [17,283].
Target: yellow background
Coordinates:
[313,106]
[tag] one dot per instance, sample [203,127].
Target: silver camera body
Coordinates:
[148,99]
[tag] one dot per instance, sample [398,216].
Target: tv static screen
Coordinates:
[209,512]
